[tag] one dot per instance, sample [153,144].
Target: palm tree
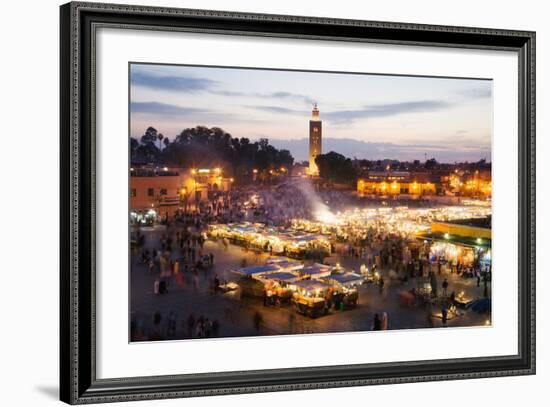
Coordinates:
[160,137]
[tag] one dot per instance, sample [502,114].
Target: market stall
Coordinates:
[278,287]
[345,285]
[310,297]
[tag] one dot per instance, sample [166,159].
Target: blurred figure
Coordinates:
[377,323]
[257,320]
[384,323]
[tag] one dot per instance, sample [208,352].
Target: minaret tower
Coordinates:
[315,140]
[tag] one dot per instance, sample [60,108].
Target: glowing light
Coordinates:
[446,235]
[323,214]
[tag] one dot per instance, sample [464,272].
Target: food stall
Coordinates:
[345,294]
[278,286]
[270,239]
[309,297]
[248,279]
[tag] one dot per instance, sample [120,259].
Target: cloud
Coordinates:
[227,93]
[163,109]
[385,110]
[171,83]
[196,84]
[278,109]
[271,95]
[368,112]
[382,150]
[478,93]
[289,95]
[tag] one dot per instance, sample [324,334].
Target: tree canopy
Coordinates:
[209,147]
[336,168]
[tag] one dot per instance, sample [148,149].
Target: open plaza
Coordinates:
[268,246]
[376,268]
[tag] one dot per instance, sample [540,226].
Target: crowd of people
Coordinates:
[179,258]
[166,327]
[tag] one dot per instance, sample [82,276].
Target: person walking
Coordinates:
[445,285]
[157,333]
[384,323]
[257,320]
[377,323]
[190,325]
[444,314]
[172,317]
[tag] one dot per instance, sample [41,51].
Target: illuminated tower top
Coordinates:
[315,113]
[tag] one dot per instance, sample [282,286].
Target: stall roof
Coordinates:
[280,276]
[316,271]
[289,265]
[276,259]
[345,278]
[252,270]
[307,238]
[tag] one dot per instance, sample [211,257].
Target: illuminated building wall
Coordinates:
[461,230]
[166,187]
[474,184]
[368,187]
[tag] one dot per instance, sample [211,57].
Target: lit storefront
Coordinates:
[167,189]
[465,242]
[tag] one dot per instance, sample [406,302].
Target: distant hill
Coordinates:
[376,151]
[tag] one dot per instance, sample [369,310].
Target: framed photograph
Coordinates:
[255,203]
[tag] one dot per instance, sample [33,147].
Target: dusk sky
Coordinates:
[364,116]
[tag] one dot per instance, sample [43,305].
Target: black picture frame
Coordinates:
[78,382]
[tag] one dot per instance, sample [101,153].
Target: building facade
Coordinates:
[392,183]
[476,184]
[315,140]
[167,189]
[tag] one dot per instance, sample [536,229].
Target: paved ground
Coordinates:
[235,316]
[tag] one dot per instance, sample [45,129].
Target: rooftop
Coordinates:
[457,240]
[474,222]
